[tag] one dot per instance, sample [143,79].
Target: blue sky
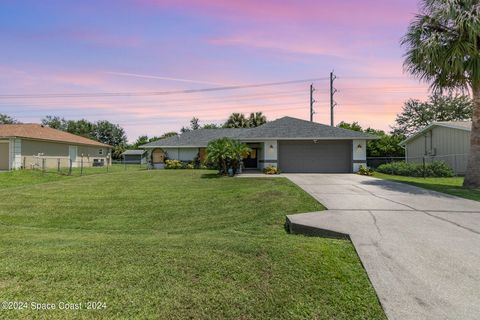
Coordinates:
[133,46]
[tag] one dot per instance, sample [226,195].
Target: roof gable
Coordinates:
[459,125]
[39,132]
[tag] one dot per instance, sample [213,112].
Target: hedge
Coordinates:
[410,169]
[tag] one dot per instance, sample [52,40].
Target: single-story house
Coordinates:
[292,145]
[134,156]
[36,146]
[447,141]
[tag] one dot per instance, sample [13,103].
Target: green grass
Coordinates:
[174,245]
[30,177]
[451,186]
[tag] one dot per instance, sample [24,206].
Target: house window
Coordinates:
[100,151]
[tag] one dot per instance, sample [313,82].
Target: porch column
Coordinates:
[359,154]
[270,154]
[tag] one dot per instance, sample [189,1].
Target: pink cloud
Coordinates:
[294,45]
[352,11]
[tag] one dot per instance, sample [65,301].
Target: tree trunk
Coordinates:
[472,177]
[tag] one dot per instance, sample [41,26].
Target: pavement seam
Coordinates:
[425,212]
[451,222]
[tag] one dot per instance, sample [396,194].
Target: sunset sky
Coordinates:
[120,46]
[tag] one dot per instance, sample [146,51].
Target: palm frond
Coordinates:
[443,44]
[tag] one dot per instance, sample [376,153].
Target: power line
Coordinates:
[233,98]
[265,107]
[154,93]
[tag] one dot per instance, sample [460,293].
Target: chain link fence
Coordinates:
[375,162]
[83,165]
[458,162]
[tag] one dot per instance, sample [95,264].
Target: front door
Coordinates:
[158,156]
[251,161]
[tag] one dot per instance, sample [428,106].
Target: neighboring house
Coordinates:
[36,146]
[134,156]
[291,144]
[447,141]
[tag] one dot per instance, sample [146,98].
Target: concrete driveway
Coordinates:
[421,249]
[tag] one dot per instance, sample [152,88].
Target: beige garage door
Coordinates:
[4,156]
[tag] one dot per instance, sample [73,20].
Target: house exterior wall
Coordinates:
[187,154]
[359,154]
[92,152]
[442,144]
[4,154]
[182,154]
[30,154]
[34,148]
[172,153]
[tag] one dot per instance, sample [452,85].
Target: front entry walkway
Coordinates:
[420,248]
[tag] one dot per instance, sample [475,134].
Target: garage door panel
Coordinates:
[326,156]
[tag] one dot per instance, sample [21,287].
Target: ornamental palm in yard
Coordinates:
[226,152]
[443,48]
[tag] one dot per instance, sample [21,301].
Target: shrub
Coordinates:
[441,169]
[189,166]
[173,164]
[433,169]
[271,170]
[364,171]
[226,154]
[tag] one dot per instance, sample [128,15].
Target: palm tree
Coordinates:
[226,153]
[257,119]
[236,120]
[443,48]
[239,151]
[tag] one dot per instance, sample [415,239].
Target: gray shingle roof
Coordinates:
[196,138]
[283,128]
[293,128]
[133,152]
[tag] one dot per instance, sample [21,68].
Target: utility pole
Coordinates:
[312,101]
[332,101]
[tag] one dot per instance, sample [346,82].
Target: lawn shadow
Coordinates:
[210,176]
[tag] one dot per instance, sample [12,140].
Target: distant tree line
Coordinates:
[386,146]
[414,115]
[417,114]
[6,119]
[235,120]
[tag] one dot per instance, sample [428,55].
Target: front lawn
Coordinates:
[451,186]
[174,245]
[28,177]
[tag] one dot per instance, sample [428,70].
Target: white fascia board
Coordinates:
[309,138]
[161,147]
